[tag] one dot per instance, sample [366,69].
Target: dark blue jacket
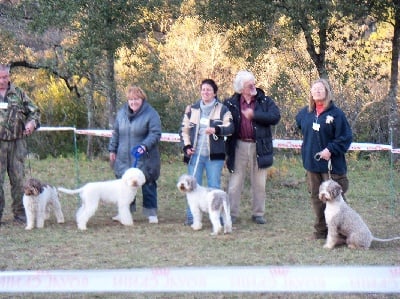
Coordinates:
[266,114]
[334,134]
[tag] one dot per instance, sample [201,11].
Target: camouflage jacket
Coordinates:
[16,110]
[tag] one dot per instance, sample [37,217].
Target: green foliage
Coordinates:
[193,51]
[168,47]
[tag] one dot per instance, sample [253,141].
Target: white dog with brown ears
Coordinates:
[39,199]
[215,202]
[345,226]
[121,192]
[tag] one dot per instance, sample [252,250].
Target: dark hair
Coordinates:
[210,82]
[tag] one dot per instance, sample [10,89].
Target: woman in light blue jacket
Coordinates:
[134,143]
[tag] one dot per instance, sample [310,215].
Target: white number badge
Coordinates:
[316,126]
[205,122]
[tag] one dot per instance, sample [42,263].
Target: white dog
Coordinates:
[215,202]
[121,192]
[38,200]
[345,226]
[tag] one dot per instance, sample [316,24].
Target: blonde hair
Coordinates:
[328,95]
[136,91]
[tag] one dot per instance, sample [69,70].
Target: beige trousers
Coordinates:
[246,159]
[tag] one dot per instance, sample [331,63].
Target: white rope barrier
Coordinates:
[277,143]
[344,279]
[311,279]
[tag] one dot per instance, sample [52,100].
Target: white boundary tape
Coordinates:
[355,279]
[277,143]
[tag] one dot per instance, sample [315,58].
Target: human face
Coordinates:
[4,80]
[134,102]
[318,92]
[249,89]
[207,93]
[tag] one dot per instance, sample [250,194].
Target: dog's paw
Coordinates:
[29,227]
[127,223]
[228,230]
[82,227]
[196,226]
[353,246]
[116,218]
[328,246]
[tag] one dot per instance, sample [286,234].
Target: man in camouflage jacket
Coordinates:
[19,117]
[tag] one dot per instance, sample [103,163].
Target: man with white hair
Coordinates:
[251,145]
[19,117]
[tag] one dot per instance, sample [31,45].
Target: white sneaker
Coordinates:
[153,219]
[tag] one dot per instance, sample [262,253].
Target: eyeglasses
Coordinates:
[250,86]
[320,89]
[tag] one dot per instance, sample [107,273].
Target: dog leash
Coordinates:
[214,136]
[136,154]
[198,155]
[318,158]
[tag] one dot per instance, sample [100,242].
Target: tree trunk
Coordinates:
[111,90]
[394,119]
[90,113]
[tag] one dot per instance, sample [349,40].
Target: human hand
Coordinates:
[139,150]
[248,113]
[325,154]
[29,128]
[190,151]
[210,131]
[113,157]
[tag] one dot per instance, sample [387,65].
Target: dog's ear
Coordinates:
[193,183]
[37,185]
[335,189]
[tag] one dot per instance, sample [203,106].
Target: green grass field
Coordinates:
[374,192]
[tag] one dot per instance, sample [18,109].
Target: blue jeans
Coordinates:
[213,169]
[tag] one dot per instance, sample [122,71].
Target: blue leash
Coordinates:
[136,154]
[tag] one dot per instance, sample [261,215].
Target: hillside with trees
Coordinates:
[75,58]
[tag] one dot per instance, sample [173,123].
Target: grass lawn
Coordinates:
[374,192]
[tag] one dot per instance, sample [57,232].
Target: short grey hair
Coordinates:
[4,68]
[240,79]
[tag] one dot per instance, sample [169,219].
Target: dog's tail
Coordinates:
[385,240]
[69,191]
